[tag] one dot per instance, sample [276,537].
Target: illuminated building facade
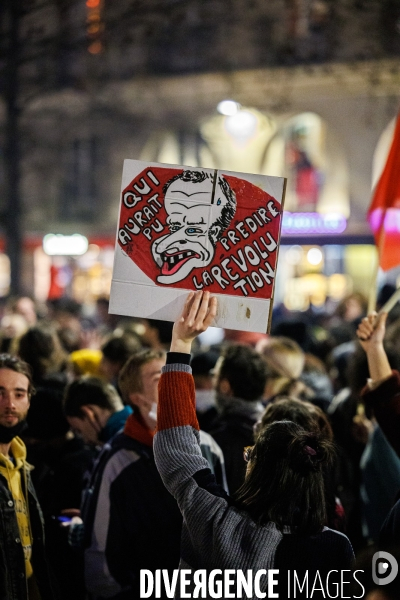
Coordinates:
[317,88]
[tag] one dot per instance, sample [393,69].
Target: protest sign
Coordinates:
[190,228]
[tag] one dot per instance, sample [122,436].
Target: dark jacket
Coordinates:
[13,585]
[130,521]
[232,433]
[133,524]
[385,402]
[390,532]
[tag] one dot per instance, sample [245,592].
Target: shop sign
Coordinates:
[314,223]
[187,228]
[65,245]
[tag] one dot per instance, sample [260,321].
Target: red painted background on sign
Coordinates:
[242,265]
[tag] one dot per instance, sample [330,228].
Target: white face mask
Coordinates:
[205,399]
[153,412]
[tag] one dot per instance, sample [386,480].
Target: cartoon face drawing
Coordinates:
[199,209]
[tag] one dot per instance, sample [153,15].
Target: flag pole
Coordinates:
[391,303]
[373,293]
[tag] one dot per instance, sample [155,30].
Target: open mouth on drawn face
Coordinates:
[173,262]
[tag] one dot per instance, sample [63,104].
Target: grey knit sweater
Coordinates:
[216,534]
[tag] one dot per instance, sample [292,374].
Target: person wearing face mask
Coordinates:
[24,573]
[138,382]
[95,412]
[128,519]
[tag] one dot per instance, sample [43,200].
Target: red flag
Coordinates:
[384,212]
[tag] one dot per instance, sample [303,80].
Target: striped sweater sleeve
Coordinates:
[185,472]
[176,398]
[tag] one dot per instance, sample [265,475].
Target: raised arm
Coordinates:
[184,470]
[371,333]
[176,406]
[383,392]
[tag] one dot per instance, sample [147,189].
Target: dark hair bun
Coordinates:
[304,451]
[308,452]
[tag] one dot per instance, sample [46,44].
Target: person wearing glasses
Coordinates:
[276,520]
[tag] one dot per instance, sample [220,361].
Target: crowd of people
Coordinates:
[131,444]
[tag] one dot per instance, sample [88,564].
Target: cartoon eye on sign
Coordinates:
[193,235]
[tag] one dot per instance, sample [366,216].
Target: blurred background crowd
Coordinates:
[310,364]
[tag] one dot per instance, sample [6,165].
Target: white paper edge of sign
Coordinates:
[249,314]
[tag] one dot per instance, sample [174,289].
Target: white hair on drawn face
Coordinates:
[190,208]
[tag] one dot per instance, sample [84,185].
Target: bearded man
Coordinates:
[24,573]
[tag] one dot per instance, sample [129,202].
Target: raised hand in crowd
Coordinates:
[383,395]
[198,313]
[371,333]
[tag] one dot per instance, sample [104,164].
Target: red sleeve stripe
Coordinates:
[176,402]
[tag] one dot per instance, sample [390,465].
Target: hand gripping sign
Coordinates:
[189,228]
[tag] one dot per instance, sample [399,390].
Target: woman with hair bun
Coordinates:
[311,418]
[277,519]
[284,482]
